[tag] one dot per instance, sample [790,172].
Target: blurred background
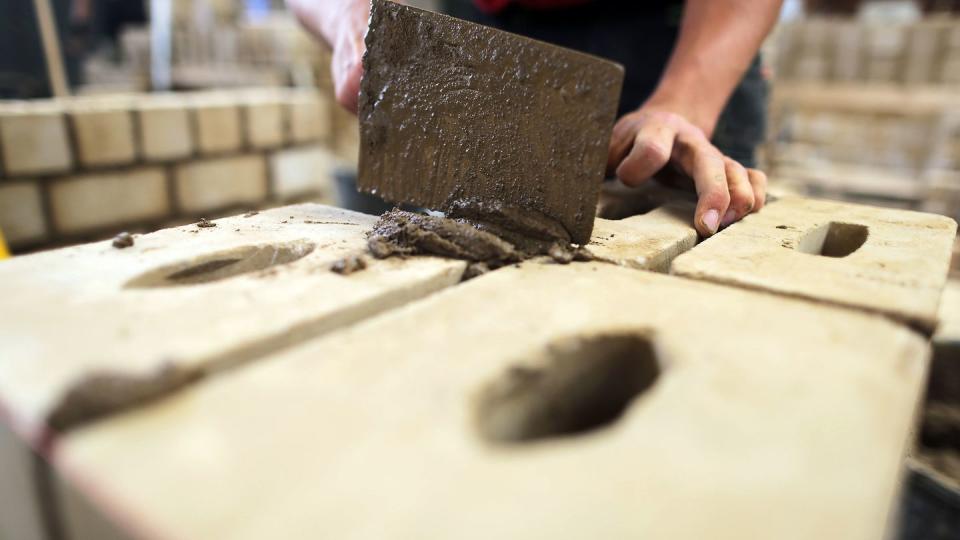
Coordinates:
[135,115]
[863,107]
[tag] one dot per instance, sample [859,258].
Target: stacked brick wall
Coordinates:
[87,167]
[883,145]
[221,53]
[868,112]
[844,50]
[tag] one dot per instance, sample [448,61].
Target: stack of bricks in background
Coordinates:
[868,112]
[275,51]
[925,52]
[883,145]
[216,53]
[87,167]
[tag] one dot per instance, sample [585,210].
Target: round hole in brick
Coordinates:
[580,385]
[835,239]
[222,265]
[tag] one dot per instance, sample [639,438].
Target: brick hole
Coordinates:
[834,239]
[585,384]
[222,265]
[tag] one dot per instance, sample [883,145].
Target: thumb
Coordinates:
[347,86]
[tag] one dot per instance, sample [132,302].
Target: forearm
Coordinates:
[343,25]
[718,40]
[333,20]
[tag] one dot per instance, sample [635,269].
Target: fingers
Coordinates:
[707,166]
[651,151]
[645,142]
[710,177]
[741,192]
[347,68]
[758,182]
[347,88]
[624,133]
[342,25]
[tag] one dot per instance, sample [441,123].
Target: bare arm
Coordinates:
[718,40]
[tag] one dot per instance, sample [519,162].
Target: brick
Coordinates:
[922,52]
[760,433]
[33,137]
[942,192]
[165,132]
[847,60]
[802,247]
[102,200]
[104,132]
[948,330]
[217,125]
[955,265]
[300,171]
[264,121]
[646,242]
[20,514]
[77,515]
[220,183]
[21,213]
[196,299]
[308,119]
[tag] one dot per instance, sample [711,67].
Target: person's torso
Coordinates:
[638,34]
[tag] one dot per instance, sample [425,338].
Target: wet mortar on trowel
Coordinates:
[497,239]
[505,137]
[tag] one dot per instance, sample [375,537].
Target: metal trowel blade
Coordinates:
[456,115]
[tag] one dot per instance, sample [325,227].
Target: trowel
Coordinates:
[465,119]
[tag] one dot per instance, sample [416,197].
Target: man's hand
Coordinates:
[654,142]
[671,131]
[342,24]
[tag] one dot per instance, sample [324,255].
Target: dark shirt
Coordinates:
[636,34]
[496,6]
[640,35]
